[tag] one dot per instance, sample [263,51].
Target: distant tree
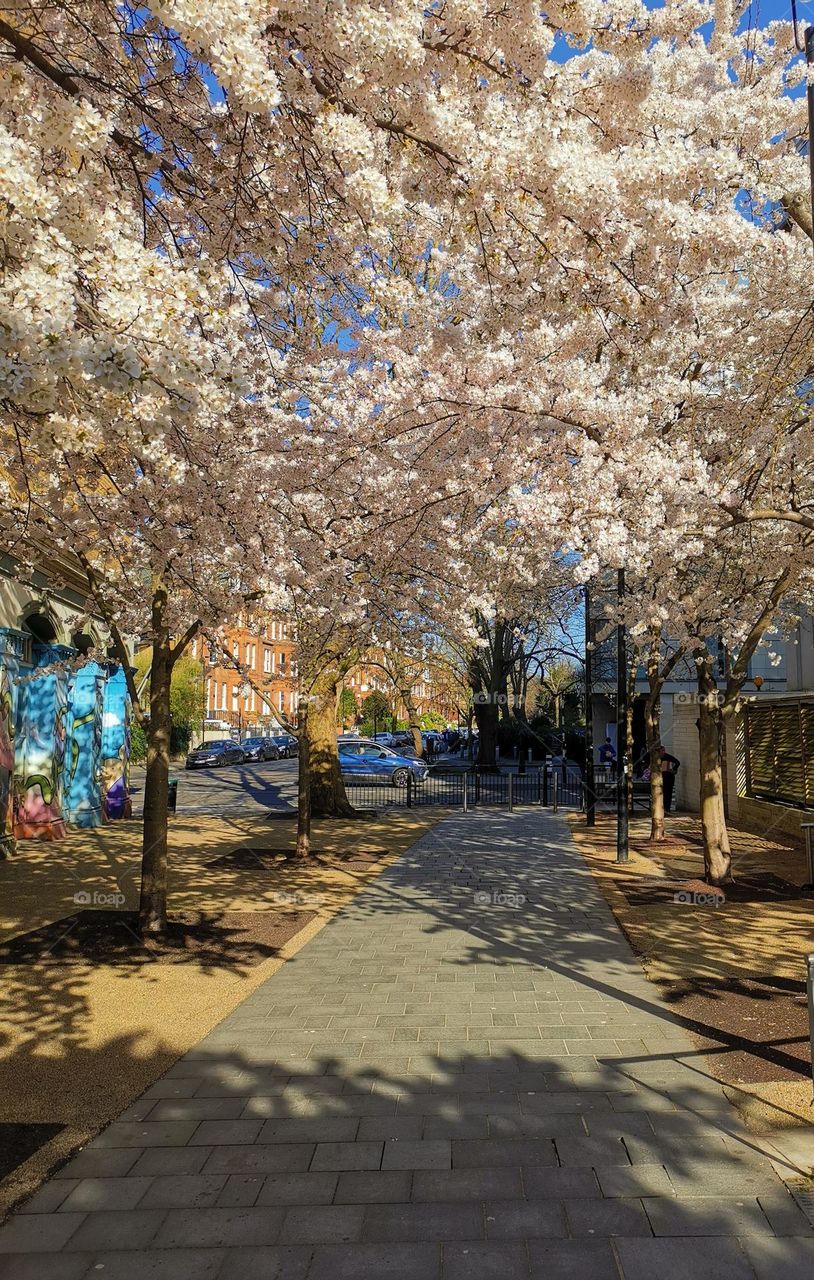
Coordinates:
[375,707]
[347,708]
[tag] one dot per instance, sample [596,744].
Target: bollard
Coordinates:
[511,797]
[810,994]
[409,789]
[466,795]
[172,795]
[807,828]
[554,792]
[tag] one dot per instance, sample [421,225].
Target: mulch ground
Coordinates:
[233,937]
[729,962]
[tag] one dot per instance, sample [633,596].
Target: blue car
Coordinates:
[364,760]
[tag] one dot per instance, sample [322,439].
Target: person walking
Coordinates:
[669,768]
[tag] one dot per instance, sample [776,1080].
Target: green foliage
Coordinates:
[375,706]
[138,744]
[347,708]
[187,705]
[432,720]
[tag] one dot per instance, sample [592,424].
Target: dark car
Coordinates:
[210,755]
[260,749]
[286,744]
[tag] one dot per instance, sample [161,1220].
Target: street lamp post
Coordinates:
[622,744]
[590,794]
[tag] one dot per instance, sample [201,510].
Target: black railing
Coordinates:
[465,789]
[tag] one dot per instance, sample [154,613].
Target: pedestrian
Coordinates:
[669,768]
[607,753]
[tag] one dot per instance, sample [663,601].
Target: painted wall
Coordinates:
[64,742]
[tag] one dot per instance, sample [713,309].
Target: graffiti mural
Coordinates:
[64,742]
[115,748]
[6,764]
[40,756]
[83,797]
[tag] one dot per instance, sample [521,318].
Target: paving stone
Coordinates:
[525,1219]
[95,1163]
[423,1222]
[49,1197]
[277,1262]
[417,1155]
[780,1259]
[390,1186]
[167,1133]
[440,1186]
[222,1133]
[323,1224]
[44,1266]
[117,1229]
[95,1194]
[678,1258]
[573,1260]
[288,1158]
[502,1151]
[723,1216]
[240,1190]
[591,1152]
[219,1228]
[560,1184]
[341,1156]
[417,1261]
[164,1264]
[473,1260]
[38,1232]
[161,1161]
[177,1191]
[607,1218]
[635,1180]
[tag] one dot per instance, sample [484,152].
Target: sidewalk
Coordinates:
[465,1074]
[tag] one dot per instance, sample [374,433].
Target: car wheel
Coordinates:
[400,777]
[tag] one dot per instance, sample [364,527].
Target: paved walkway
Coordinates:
[464,1075]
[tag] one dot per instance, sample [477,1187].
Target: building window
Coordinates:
[282,700]
[282,662]
[267,660]
[209,705]
[234,699]
[266,708]
[223,696]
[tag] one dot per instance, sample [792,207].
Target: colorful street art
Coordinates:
[64,744]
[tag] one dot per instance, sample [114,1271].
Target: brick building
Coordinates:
[268,654]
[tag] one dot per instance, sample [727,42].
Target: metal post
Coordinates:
[622,745]
[466,795]
[545,780]
[540,786]
[590,792]
[511,797]
[807,830]
[409,788]
[554,792]
[810,994]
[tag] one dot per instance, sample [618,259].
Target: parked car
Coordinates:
[385,739]
[361,758]
[210,755]
[433,742]
[286,744]
[260,749]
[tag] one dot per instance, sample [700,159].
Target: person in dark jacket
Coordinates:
[669,768]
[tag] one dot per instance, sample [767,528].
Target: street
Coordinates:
[269,784]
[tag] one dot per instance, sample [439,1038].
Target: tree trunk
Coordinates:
[717,853]
[153,903]
[303,849]
[413,719]
[486,718]
[327,790]
[652,724]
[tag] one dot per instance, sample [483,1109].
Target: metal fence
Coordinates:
[468,789]
[778,739]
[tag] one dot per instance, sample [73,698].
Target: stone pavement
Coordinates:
[465,1074]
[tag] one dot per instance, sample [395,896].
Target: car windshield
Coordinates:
[253,742]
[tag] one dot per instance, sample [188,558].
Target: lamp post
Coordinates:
[590,794]
[622,744]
